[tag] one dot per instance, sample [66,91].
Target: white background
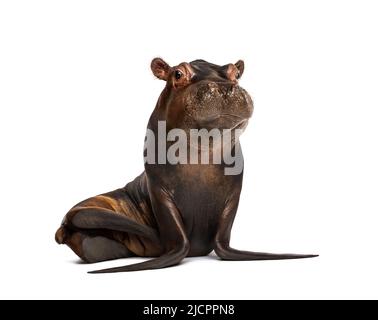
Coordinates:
[76,92]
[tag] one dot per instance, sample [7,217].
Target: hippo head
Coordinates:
[202,95]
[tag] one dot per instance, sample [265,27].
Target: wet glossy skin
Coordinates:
[170,212]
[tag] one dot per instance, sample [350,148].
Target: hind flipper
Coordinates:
[92,248]
[96,249]
[100,218]
[173,238]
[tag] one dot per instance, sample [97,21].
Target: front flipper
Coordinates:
[222,239]
[169,259]
[225,252]
[172,235]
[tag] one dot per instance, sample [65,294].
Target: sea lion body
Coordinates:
[172,211]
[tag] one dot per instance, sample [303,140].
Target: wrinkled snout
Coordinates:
[231,97]
[221,105]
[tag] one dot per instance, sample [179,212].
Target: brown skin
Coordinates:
[170,212]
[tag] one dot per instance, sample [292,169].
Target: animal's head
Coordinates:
[200,95]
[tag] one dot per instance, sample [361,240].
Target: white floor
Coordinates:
[36,270]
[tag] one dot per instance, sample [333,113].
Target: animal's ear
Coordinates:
[160,68]
[240,66]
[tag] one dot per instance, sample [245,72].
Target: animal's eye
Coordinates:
[178,74]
